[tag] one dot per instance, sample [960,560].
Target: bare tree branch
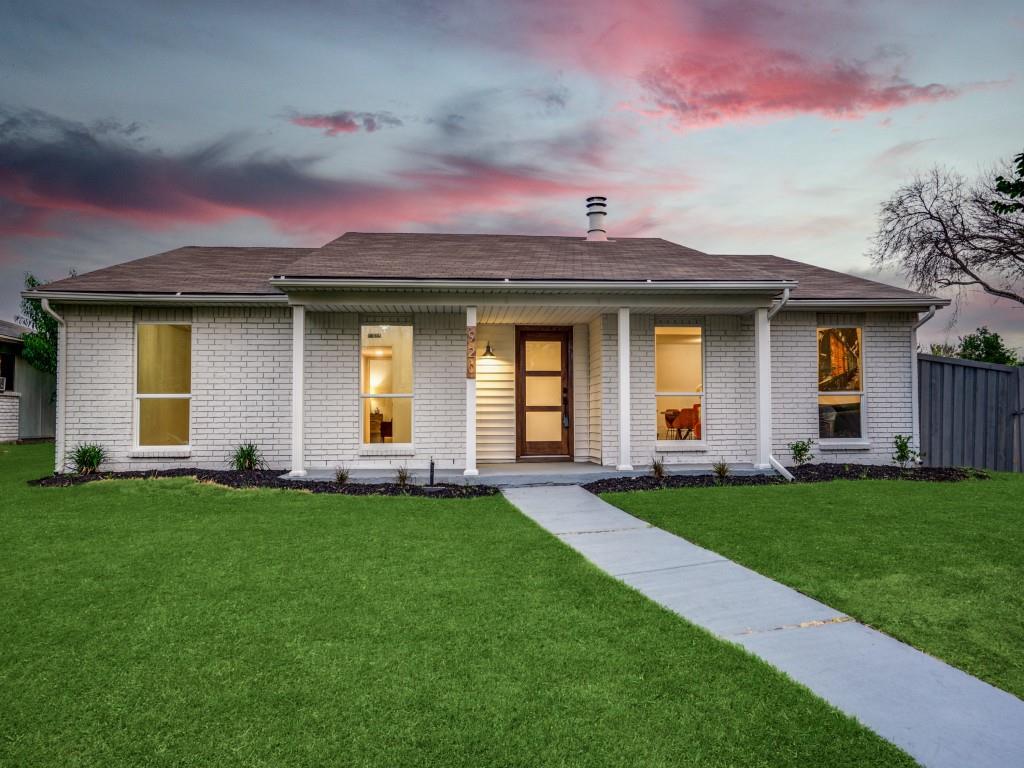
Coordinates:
[941,232]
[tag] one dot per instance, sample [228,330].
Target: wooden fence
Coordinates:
[971,413]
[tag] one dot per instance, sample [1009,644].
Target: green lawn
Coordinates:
[165,622]
[938,565]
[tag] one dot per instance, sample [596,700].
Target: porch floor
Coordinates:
[521,474]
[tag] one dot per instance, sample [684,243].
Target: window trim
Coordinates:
[681,446]
[844,443]
[383,449]
[156,451]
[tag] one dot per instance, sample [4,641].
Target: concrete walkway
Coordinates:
[941,716]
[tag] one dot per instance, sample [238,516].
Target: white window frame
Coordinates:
[680,446]
[841,443]
[137,398]
[385,448]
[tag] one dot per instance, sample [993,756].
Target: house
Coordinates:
[381,350]
[26,393]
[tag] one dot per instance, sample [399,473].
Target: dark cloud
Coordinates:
[346,121]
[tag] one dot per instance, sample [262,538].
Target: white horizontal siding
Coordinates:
[496,395]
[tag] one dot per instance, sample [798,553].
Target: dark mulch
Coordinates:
[809,473]
[271,478]
[818,473]
[650,483]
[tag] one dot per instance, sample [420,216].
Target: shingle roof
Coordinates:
[9,330]
[246,271]
[192,269]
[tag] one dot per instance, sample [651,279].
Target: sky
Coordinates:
[131,128]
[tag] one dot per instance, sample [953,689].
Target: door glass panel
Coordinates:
[543,390]
[543,355]
[544,426]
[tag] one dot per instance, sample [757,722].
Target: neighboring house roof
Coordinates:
[12,332]
[388,256]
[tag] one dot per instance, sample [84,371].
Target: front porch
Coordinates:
[460,390]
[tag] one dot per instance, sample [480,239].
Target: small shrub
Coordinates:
[247,457]
[341,475]
[87,457]
[721,469]
[657,468]
[403,476]
[801,451]
[904,453]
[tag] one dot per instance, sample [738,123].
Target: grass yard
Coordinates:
[169,623]
[938,565]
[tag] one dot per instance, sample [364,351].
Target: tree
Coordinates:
[942,232]
[986,346]
[1011,188]
[40,346]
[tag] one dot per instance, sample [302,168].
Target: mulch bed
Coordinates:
[809,473]
[271,478]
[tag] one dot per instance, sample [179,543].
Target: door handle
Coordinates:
[565,407]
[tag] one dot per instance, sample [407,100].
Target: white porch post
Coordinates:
[298,385]
[625,461]
[763,348]
[471,469]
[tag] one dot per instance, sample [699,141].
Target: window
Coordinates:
[163,384]
[7,371]
[678,383]
[840,384]
[385,387]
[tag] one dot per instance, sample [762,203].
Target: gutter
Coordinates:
[915,405]
[62,378]
[284,282]
[191,299]
[911,304]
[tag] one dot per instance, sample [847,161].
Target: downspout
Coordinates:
[915,406]
[776,464]
[778,307]
[62,375]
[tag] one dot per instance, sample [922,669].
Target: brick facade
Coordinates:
[241,386]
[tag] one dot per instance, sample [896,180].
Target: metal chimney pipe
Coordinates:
[597,209]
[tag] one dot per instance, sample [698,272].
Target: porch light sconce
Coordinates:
[488,352]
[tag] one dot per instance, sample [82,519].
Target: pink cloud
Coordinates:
[703,63]
[346,121]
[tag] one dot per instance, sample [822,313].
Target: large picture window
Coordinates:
[840,384]
[163,384]
[679,383]
[386,383]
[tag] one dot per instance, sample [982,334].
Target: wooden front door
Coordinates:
[543,392]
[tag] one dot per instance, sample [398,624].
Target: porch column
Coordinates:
[625,461]
[298,385]
[763,351]
[471,469]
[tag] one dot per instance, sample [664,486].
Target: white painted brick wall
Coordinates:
[242,385]
[887,381]
[332,393]
[729,415]
[241,382]
[9,412]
